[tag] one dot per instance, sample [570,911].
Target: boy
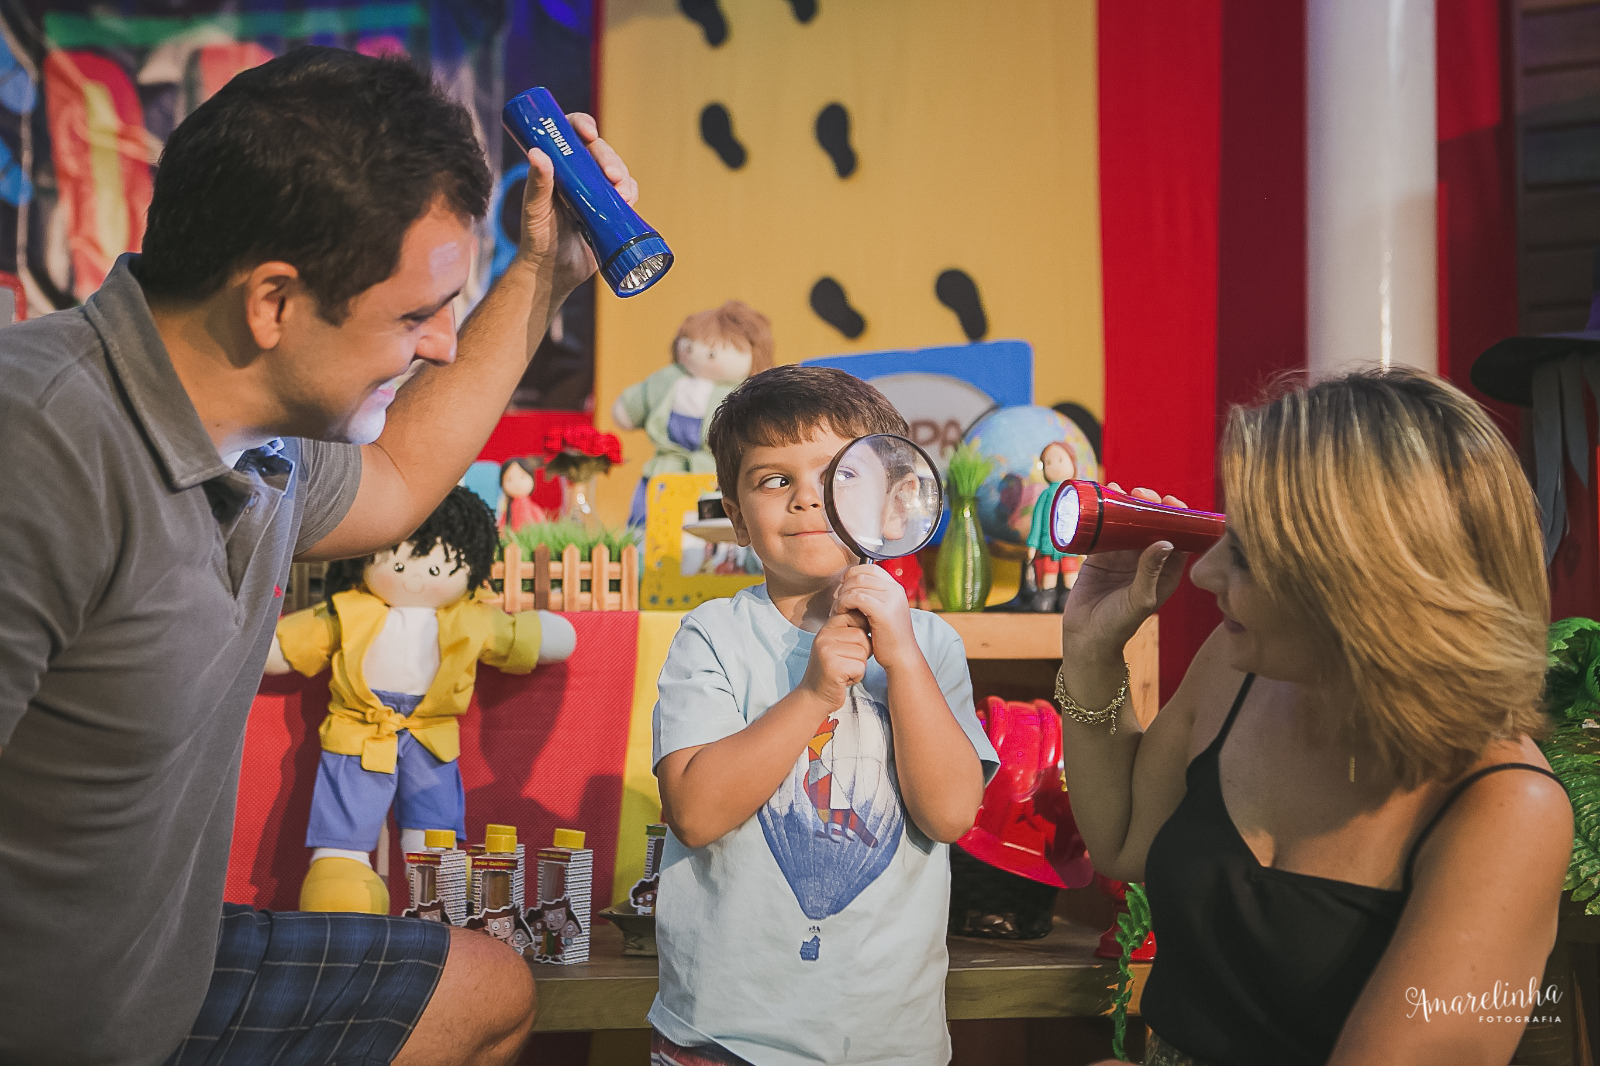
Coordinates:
[812,771]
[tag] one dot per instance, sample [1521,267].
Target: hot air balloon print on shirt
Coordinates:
[835,823]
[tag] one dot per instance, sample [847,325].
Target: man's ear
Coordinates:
[741,532]
[269,289]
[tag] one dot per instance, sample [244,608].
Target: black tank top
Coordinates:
[1256,965]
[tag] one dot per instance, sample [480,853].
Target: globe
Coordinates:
[1012,438]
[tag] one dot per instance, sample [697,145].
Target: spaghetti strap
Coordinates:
[1411,859]
[1233,712]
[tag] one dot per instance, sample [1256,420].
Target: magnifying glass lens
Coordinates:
[882,496]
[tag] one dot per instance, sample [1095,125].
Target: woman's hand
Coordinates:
[1116,591]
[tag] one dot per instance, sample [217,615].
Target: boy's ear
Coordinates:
[741,532]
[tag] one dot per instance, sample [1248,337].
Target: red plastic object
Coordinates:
[1025,824]
[524,432]
[1109,948]
[907,571]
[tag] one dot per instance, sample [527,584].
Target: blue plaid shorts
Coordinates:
[299,988]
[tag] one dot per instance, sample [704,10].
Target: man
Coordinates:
[165,451]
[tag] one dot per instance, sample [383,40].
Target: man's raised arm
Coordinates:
[440,419]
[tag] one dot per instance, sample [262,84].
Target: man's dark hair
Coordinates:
[465,526]
[321,158]
[788,404]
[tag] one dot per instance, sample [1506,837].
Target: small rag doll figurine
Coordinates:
[517,508]
[403,632]
[1053,571]
[713,352]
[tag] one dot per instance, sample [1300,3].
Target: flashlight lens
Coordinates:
[1064,523]
[639,277]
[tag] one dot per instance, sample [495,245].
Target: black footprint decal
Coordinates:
[959,293]
[804,10]
[708,13]
[833,307]
[716,129]
[833,133]
[1085,420]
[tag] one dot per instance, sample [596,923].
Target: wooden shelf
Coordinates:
[1037,637]
[990,635]
[1056,977]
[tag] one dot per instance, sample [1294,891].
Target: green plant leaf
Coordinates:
[1572,694]
[967,469]
[557,536]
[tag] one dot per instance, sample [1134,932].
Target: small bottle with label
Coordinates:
[438,879]
[643,893]
[559,923]
[494,872]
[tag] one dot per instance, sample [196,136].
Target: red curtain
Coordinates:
[1202,172]
[1160,184]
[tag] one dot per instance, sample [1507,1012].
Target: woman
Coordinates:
[1340,817]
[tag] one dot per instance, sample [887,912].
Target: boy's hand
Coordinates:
[838,660]
[871,590]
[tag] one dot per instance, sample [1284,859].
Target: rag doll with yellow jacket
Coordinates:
[403,632]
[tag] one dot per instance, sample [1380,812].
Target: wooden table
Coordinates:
[1056,977]
[1010,655]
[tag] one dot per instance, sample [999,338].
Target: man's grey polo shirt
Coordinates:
[139,583]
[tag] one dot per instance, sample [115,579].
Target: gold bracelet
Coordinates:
[1081,714]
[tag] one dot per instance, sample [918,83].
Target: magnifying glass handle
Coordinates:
[858,619]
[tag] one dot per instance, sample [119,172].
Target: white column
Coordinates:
[1371,185]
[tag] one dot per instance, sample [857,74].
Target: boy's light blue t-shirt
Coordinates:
[815,931]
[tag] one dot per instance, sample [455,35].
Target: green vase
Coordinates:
[963,574]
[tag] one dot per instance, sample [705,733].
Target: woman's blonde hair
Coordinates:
[1387,509]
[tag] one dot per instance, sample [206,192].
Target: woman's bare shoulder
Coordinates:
[1206,694]
[1511,807]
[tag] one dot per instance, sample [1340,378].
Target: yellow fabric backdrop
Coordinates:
[974,123]
[641,800]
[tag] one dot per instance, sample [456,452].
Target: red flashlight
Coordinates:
[1086,517]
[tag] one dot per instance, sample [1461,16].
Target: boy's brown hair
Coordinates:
[789,404]
[735,322]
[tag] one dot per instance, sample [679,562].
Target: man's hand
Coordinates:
[871,590]
[550,237]
[838,660]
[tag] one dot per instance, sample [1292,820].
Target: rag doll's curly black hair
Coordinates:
[465,526]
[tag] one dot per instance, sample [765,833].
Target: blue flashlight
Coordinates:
[632,256]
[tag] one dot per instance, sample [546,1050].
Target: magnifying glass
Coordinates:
[1087,517]
[882,496]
